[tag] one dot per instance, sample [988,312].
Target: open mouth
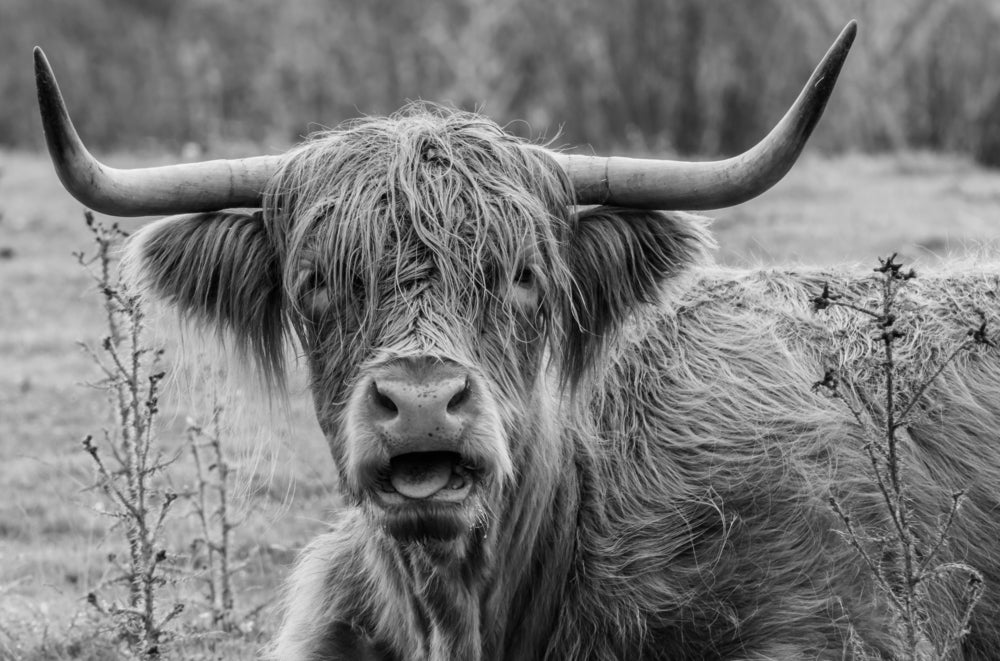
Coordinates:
[417,477]
[423,496]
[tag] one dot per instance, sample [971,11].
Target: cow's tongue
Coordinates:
[421,474]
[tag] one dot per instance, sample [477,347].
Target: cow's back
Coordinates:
[717,457]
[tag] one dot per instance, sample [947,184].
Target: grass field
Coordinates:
[54,540]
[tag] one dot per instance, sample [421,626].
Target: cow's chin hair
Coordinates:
[434,524]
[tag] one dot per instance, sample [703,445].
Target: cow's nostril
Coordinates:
[459,398]
[382,400]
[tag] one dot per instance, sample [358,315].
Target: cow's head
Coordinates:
[437,272]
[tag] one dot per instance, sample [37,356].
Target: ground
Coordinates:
[54,540]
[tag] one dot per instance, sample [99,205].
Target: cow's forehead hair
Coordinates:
[453,184]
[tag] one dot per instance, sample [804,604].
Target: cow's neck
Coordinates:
[446,599]
[534,548]
[533,566]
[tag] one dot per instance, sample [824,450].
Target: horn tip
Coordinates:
[44,77]
[850,31]
[837,55]
[40,60]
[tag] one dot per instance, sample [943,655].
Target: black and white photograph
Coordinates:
[499,330]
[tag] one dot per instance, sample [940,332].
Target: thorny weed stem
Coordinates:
[132,381]
[211,505]
[907,593]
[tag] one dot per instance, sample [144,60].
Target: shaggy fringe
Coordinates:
[377,208]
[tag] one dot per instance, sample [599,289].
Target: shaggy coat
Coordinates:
[659,463]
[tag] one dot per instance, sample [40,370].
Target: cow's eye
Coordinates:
[359,289]
[524,277]
[313,292]
[525,294]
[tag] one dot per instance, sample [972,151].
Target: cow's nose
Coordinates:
[404,398]
[429,406]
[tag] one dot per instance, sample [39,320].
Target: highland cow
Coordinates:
[560,431]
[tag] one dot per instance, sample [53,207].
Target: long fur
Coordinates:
[219,271]
[670,462]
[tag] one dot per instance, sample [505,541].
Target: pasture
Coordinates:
[54,538]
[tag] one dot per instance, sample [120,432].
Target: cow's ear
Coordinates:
[220,270]
[620,259]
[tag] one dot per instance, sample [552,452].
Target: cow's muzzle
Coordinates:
[428,443]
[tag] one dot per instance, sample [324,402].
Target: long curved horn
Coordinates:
[663,184]
[190,187]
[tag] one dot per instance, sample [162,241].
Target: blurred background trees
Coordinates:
[689,77]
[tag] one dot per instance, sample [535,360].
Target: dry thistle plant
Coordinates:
[908,566]
[126,456]
[214,512]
